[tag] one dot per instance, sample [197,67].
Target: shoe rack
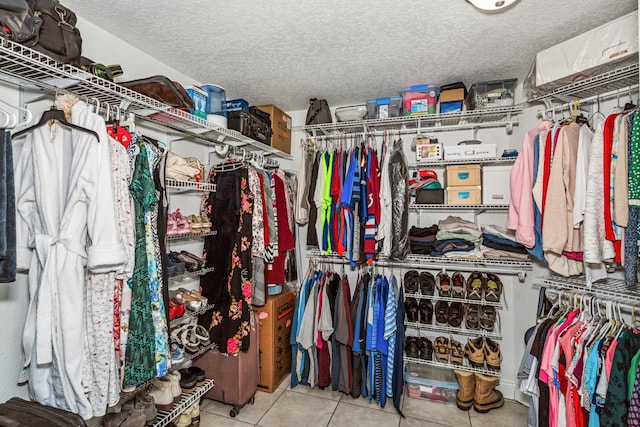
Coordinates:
[164,418]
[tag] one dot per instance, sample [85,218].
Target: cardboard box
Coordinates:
[496,183]
[276,317]
[470,152]
[471,195]
[281,127]
[463,175]
[590,53]
[425,150]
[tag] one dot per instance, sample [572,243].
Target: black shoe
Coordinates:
[411,308]
[426,311]
[426,348]
[198,373]
[411,282]
[427,283]
[411,347]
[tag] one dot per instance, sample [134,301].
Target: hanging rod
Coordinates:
[628,308]
[620,93]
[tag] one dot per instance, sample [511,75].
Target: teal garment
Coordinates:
[447,235]
[616,404]
[631,376]
[139,361]
[634,170]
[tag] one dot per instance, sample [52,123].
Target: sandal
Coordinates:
[187,336]
[411,308]
[443,282]
[474,351]
[488,318]
[199,261]
[457,285]
[456,352]
[195,223]
[455,314]
[202,334]
[182,225]
[411,281]
[492,354]
[411,348]
[427,283]
[441,346]
[442,313]
[426,311]
[426,348]
[472,318]
[205,223]
[475,286]
[493,289]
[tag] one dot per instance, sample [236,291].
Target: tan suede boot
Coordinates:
[467,383]
[486,397]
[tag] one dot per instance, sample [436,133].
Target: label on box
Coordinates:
[419,106]
[425,150]
[383,111]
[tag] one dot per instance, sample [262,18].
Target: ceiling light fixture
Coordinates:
[491,5]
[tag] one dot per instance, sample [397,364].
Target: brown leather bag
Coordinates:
[162,89]
[18,412]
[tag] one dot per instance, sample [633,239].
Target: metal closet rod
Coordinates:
[629,308]
[593,98]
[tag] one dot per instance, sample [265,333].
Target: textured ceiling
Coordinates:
[285,52]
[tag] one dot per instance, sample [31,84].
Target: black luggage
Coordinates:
[17,412]
[250,125]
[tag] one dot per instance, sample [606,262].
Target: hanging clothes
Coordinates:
[66,224]
[7,211]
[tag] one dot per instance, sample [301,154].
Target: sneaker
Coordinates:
[177,351]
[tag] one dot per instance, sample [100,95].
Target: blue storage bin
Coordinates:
[216,100]
[383,108]
[237,105]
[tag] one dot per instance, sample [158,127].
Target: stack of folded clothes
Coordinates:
[457,238]
[421,240]
[499,242]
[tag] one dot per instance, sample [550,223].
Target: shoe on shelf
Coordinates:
[176,308]
[426,348]
[411,282]
[411,308]
[426,311]
[174,378]
[427,283]
[194,413]
[456,312]
[177,351]
[179,265]
[190,264]
[145,402]
[411,347]
[443,283]
[199,261]
[475,286]
[202,334]
[195,223]
[205,223]
[185,297]
[456,353]
[441,346]
[197,372]
[474,351]
[488,317]
[161,393]
[457,285]
[442,313]
[133,417]
[493,288]
[172,225]
[472,317]
[188,382]
[195,295]
[182,225]
[184,420]
[492,355]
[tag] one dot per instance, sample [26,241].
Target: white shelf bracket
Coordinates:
[521,276]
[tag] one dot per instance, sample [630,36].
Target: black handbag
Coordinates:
[318,112]
[43,25]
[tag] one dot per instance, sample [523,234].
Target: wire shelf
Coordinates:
[176,184]
[475,208]
[451,299]
[464,367]
[187,399]
[19,65]
[189,315]
[443,163]
[190,274]
[191,235]
[498,266]
[592,86]
[490,117]
[452,330]
[612,289]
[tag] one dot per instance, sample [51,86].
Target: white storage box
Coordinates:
[589,53]
[470,152]
[430,382]
[496,185]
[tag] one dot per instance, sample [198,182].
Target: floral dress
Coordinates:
[229,285]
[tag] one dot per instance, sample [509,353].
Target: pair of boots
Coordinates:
[139,411]
[479,391]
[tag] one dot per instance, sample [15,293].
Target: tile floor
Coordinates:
[303,406]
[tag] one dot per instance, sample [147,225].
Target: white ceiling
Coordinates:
[285,52]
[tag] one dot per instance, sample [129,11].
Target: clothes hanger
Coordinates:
[28,113]
[53,114]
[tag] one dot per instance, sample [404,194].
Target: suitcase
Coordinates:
[17,412]
[250,125]
[236,377]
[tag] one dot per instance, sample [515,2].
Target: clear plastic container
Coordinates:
[216,101]
[384,108]
[420,99]
[493,94]
[431,382]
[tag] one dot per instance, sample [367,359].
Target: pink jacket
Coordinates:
[521,204]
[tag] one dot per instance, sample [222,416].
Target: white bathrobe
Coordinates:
[66,223]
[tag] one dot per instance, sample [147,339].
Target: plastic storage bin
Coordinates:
[497,93]
[199,97]
[421,99]
[216,101]
[350,113]
[430,382]
[384,108]
[236,105]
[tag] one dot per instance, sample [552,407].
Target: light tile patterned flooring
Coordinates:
[303,406]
